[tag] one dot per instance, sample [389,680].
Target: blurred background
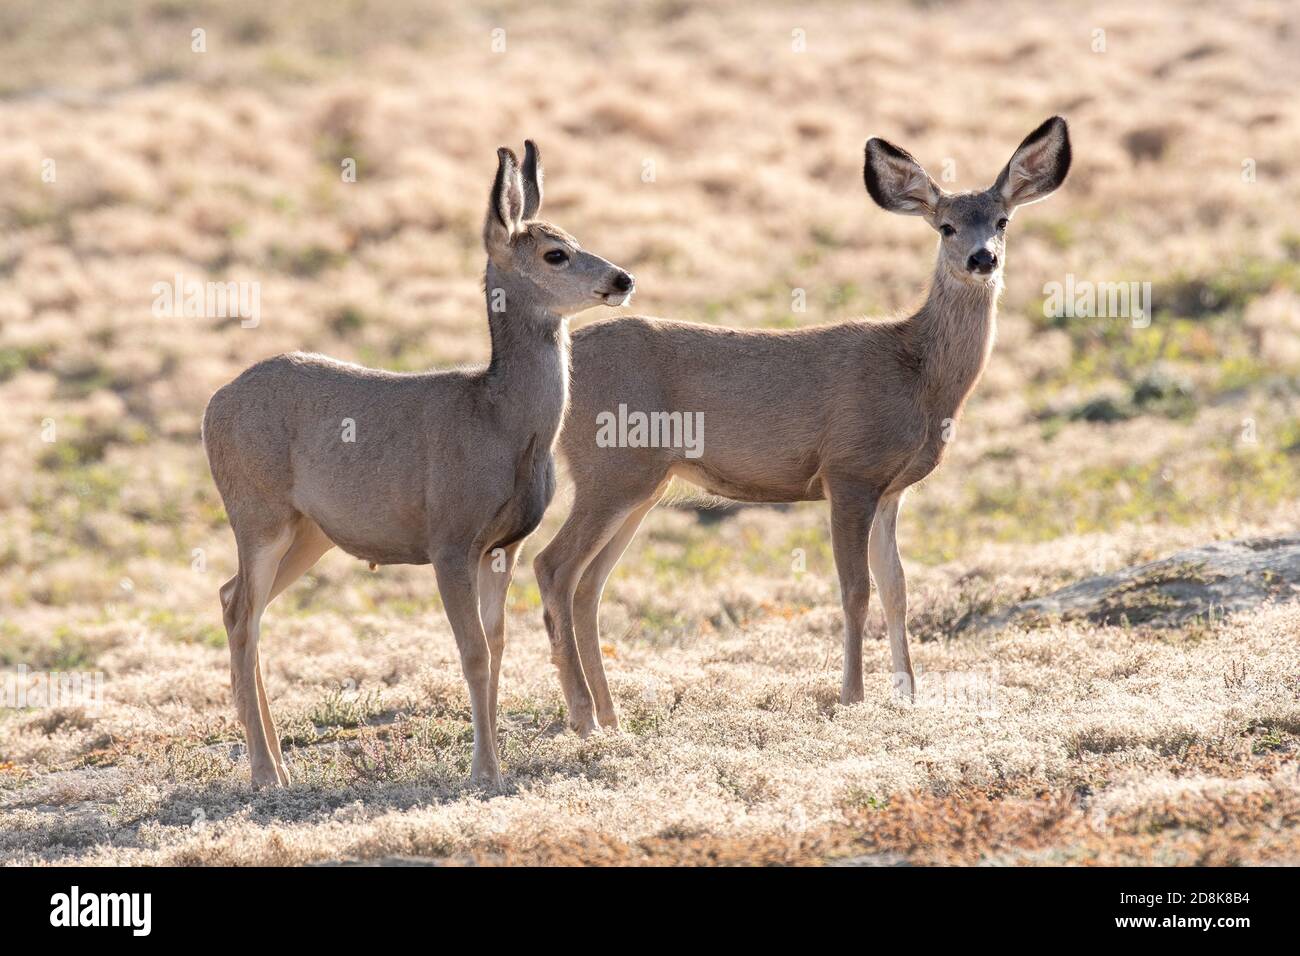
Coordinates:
[227,164]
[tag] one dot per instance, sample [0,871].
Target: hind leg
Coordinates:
[261,548]
[309,543]
[559,567]
[586,610]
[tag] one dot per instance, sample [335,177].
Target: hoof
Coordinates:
[904,686]
[488,779]
[583,726]
[268,780]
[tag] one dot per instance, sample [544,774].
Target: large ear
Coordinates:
[506,204]
[897,182]
[1038,166]
[532,178]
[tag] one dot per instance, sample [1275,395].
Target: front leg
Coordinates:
[458,585]
[495,570]
[853,506]
[887,569]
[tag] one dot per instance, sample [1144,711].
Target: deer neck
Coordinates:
[527,380]
[954,329]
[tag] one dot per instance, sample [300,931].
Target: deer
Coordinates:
[451,468]
[854,413]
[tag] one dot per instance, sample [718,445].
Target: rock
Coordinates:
[1216,578]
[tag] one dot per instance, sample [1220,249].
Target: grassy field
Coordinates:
[715,150]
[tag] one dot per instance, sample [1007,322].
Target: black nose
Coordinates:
[623,282]
[982,261]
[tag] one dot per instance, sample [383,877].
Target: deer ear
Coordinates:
[1038,166]
[897,182]
[506,204]
[532,180]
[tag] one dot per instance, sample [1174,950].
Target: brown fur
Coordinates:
[854,412]
[447,468]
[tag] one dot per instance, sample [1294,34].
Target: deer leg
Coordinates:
[586,610]
[268,725]
[887,569]
[559,567]
[458,585]
[243,607]
[495,570]
[309,544]
[852,508]
[305,549]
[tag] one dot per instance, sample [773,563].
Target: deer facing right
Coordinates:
[450,468]
[855,412]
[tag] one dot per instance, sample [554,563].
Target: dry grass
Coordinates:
[1089,445]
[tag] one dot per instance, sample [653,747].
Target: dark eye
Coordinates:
[556,256]
[1002,224]
[947,230]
